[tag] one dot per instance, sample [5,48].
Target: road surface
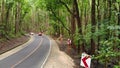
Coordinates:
[32,56]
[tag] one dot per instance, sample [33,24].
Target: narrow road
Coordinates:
[32,56]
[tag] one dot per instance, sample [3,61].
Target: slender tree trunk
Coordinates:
[99,19]
[119,29]
[105,18]
[73,24]
[73,20]
[110,7]
[2,15]
[119,19]
[109,16]
[86,18]
[17,18]
[105,10]
[119,25]
[79,24]
[2,11]
[93,21]
[98,26]
[7,20]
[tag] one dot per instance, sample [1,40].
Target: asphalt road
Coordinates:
[32,56]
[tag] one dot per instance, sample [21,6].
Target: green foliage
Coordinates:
[118,0]
[116,66]
[87,36]
[77,38]
[106,52]
[9,3]
[108,48]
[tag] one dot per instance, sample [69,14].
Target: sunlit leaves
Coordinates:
[113,27]
[118,0]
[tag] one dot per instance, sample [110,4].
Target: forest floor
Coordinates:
[7,45]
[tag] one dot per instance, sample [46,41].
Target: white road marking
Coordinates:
[42,66]
[27,55]
[13,51]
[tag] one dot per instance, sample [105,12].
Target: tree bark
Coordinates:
[110,7]
[2,11]
[66,7]
[73,24]
[105,9]
[2,16]
[17,18]
[79,24]
[6,21]
[119,19]
[93,21]
[99,19]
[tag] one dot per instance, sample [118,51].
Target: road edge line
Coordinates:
[27,55]
[16,49]
[42,66]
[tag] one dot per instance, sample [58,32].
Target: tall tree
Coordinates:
[79,24]
[73,23]
[119,17]
[75,15]
[98,22]
[9,5]
[17,17]
[2,15]
[110,9]
[93,21]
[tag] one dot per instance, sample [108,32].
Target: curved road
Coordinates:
[32,56]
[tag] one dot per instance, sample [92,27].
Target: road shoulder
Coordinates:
[57,58]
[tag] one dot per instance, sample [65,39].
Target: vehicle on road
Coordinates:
[40,34]
[31,33]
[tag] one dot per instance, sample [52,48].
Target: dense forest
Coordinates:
[92,25]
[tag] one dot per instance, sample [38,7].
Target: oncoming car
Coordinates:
[31,33]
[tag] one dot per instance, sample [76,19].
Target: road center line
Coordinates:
[27,55]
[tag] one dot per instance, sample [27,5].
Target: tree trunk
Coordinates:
[98,26]
[109,16]
[7,21]
[119,19]
[99,19]
[73,24]
[105,15]
[2,11]
[17,18]
[93,21]
[2,16]
[79,24]
[110,11]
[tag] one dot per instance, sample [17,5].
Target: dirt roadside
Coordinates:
[58,59]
